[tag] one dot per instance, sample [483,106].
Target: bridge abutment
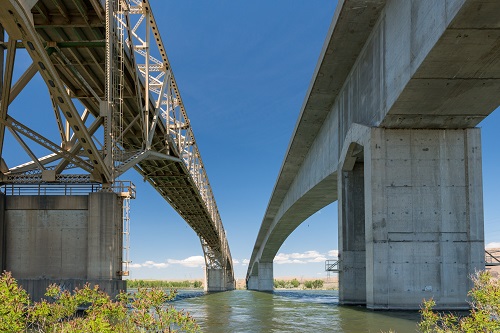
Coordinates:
[66,240]
[423,218]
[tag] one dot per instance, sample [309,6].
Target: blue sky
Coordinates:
[243,68]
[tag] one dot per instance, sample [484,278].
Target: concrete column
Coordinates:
[104,250]
[266,280]
[352,277]
[3,229]
[253,282]
[263,280]
[230,282]
[424,216]
[215,280]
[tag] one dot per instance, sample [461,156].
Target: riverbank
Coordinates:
[329,283]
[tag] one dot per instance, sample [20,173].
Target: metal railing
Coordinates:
[50,189]
[491,259]
[332,265]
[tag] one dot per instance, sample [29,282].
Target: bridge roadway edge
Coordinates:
[393,109]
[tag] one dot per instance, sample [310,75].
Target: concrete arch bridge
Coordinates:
[387,129]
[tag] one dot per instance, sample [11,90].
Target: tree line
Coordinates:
[164,284]
[294,283]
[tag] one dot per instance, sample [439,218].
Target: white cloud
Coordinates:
[193,261]
[333,253]
[236,261]
[318,259]
[150,264]
[493,245]
[135,265]
[245,262]
[299,258]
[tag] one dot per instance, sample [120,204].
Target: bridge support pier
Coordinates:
[352,278]
[218,279]
[264,280]
[423,218]
[66,240]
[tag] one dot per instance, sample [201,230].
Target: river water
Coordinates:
[287,311]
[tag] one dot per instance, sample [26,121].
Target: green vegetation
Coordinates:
[164,284]
[144,311]
[316,284]
[484,315]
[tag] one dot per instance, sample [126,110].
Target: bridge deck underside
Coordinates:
[78,28]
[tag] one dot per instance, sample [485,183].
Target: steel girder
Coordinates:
[113,63]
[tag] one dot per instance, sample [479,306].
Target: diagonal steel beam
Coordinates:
[44,142]
[27,149]
[166,82]
[22,82]
[7,83]
[62,9]
[77,144]
[60,125]
[20,26]
[77,73]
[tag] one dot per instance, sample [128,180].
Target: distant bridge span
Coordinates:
[116,106]
[388,129]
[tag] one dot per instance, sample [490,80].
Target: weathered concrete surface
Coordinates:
[218,279]
[423,215]
[63,239]
[105,237]
[264,280]
[215,280]
[3,254]
[352,246]
[402,64]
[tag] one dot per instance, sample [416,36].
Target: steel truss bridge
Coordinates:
[115,106]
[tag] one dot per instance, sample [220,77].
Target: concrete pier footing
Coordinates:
[421,232]
[66,240]
[264,280]
[218,280]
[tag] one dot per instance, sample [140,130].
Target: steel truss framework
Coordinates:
[109,79]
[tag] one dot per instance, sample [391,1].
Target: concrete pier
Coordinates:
[352,277]
[423,218]
[263,280]
[218,280]
[67,240]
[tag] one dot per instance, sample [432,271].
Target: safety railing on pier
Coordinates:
[332,265]
[492,258]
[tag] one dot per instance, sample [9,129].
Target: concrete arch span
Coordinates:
[321,195]
[305,197]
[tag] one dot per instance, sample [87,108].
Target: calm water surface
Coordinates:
[287,311]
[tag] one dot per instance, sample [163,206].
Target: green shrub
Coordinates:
[163,284]
[144,311]
[484,315]
[14,303]
[279,284]
[316,284]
